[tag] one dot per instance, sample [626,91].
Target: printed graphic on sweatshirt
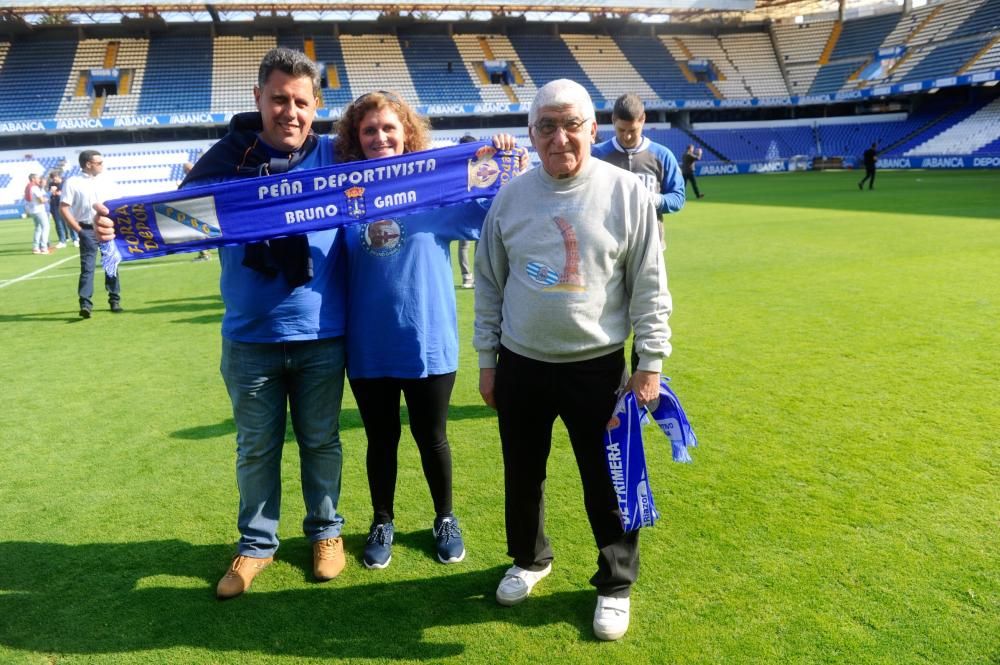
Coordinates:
[187,220]
[382,238]
[570,279]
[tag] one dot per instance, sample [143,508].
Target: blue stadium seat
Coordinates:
[945,60]
[328,52]
[657,66]
[862,36]
[178,76]
[34,77]
[437,70]
[547,58]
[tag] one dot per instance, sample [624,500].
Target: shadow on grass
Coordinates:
[109,598]
[65,316]
[206,309]
[350,419]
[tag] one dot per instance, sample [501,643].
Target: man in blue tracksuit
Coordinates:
[653,163]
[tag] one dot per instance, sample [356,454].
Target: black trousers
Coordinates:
[530,395]
[869,175]
[427,403]
[689,177]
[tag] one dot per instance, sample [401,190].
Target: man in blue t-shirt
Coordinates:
[283,328]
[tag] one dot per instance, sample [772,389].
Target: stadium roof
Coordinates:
[90,11]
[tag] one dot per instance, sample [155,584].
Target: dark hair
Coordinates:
[294,63]
[416,128]
[87,156]
[468,138]
[629,108]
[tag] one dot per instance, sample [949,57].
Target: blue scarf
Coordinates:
[626,459]
[254,209]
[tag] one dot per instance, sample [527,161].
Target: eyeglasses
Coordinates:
[97,163]
[548,127]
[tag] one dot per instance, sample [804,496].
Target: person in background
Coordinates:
[79,195]
[869,158]
[36,205]
[402,327]
[569,261]
[655,165]
[65,233]
[282,331]
[468,281]
[688,160]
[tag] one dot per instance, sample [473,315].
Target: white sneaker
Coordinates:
[517,583]
[611,617]
[60,244]
[76,243]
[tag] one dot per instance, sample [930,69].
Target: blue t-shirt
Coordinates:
[401,319]
[266,309]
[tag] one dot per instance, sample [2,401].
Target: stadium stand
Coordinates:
[234,71]
[194,70]
[801,45]
[376,62]
[654,62]
[499,47]
[436,68]
[31,71]
[548,57]
[607,67]
[972,134]
[182,70]
[858,36]
[326,51]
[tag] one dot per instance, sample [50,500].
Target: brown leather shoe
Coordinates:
[240,575]
[328,558]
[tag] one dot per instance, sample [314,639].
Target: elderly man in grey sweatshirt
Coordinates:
[569,262]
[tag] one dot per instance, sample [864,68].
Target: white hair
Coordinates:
[560,94]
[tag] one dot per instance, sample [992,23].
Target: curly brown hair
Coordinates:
[416,128]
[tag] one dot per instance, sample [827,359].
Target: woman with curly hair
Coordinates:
[402,328]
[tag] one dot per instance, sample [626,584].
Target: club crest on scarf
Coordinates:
[355,202]
[483,172]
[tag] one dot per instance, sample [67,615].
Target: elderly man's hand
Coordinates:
[487,385]
[645,385]
[507,142]
[104,228]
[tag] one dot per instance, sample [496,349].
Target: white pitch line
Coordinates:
[98,271]
[37,272]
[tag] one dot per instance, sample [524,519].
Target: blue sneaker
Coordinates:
[448,539]
[378,550]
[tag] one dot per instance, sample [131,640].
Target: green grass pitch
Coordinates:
[838,353]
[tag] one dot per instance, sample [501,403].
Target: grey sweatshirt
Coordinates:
[566,268]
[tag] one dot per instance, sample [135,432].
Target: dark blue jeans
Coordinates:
[88,258]
[266,383]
